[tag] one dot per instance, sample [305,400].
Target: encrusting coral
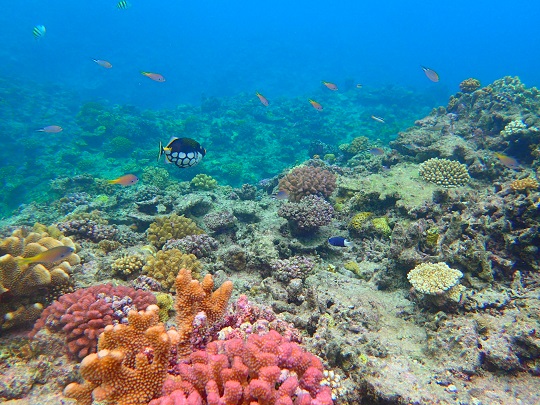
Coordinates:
[308,180]
[171,227]
[444,172]
[164,266]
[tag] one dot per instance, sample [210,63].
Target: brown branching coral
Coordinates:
[171,227]
[308,180]
[165,265]
[444,172]
[469,85]
[524,184]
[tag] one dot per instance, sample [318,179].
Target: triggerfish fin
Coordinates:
[330,86]
[51,129]
[339,241]
[52,255]
[125,180]
[103,63]
[154,76]
[316,105]
[508,161]
[263,99]
[431,74]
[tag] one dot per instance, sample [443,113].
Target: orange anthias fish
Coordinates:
[431,74]
[508,161]
[51,129]
[331,86]
[263,99]
[48,256]
[125,180]
[316,105]
[103,63]
[154,76]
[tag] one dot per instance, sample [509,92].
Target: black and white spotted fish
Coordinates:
[183,152]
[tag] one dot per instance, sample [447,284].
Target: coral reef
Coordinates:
[438,280]
[295,267]
[199,245]
[444,172]
[221,221]
[164,266]
[171,227]
[204,182]
[88,229]
[84,314]
[308,180]
[307,215]
[128,264]
[469,85]
[524,184]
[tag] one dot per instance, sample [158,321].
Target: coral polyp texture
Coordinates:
[204,182]
[436,279]
[308,180]
[200,245]
[524,184]
[128,264]
[444,172]
[83,315]
[171,227]
[469,85]
[307,215]
[164,266]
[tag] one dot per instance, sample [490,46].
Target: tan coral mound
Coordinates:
[165,264]
[436,279]
[524,184]
[444,172]
[308,180]
[128,264]
[171,227]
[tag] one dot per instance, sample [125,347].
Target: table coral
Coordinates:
[444,172]
[171,227]
[164,266]
[84,314]
[308,180]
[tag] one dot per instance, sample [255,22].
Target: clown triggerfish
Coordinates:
[183,152]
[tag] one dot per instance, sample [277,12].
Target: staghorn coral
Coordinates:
[130,366]
[437,279]
[469,85]
[308,180]
[265,369]
[307,215]
[83,314]
[199,245]
[203,182]
[171,227]
[128,264]
[444,172]
[524,184]
[164,266]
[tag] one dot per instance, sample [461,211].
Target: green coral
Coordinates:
[171,227]
[382,226]
[358,220]
[165,302]
[204,182]
[118,146]
[432,237]
[157,176]
[357,145]
[352,266]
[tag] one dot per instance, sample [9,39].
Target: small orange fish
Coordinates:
[431,74]
[378,119]
[154,76]
[316,105]
[103,63]
[51,129]
[263,99]
[125,180]
[52,255]
[508,161]
[331,86]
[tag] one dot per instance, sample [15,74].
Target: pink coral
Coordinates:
[308,180]
[265,369]
[83,315]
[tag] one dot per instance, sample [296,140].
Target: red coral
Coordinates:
[308,180]
[265,370]
[83,315]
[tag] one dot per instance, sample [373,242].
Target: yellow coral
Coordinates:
[382,226]
[358,220]
[22,315]
[444,172]
[204,182]
[165,265]
[171,227]
[434,278]
[432,237]
[352,266]
[165,303]
[524,184]
[128,264]
[357,145]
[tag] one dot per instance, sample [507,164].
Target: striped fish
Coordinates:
[123,5]
[39,31]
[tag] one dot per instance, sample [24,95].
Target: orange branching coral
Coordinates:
[193,297]
[469,85]
[308,180]
[523,184]
[130,366]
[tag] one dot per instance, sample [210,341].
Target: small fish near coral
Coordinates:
[39,31]
[183,152]
[263,99]
[51,129]
[103,63]
[376,151]
[52,255]
[125,180]
[431,74]
[508,161]
[339,241]
[154,76]
[330,86]
[316,105]
[281,195]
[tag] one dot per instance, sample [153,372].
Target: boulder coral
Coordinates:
[171,227]
[437,280]
[308,180]
[307,215]
[444,172]
[164,266]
